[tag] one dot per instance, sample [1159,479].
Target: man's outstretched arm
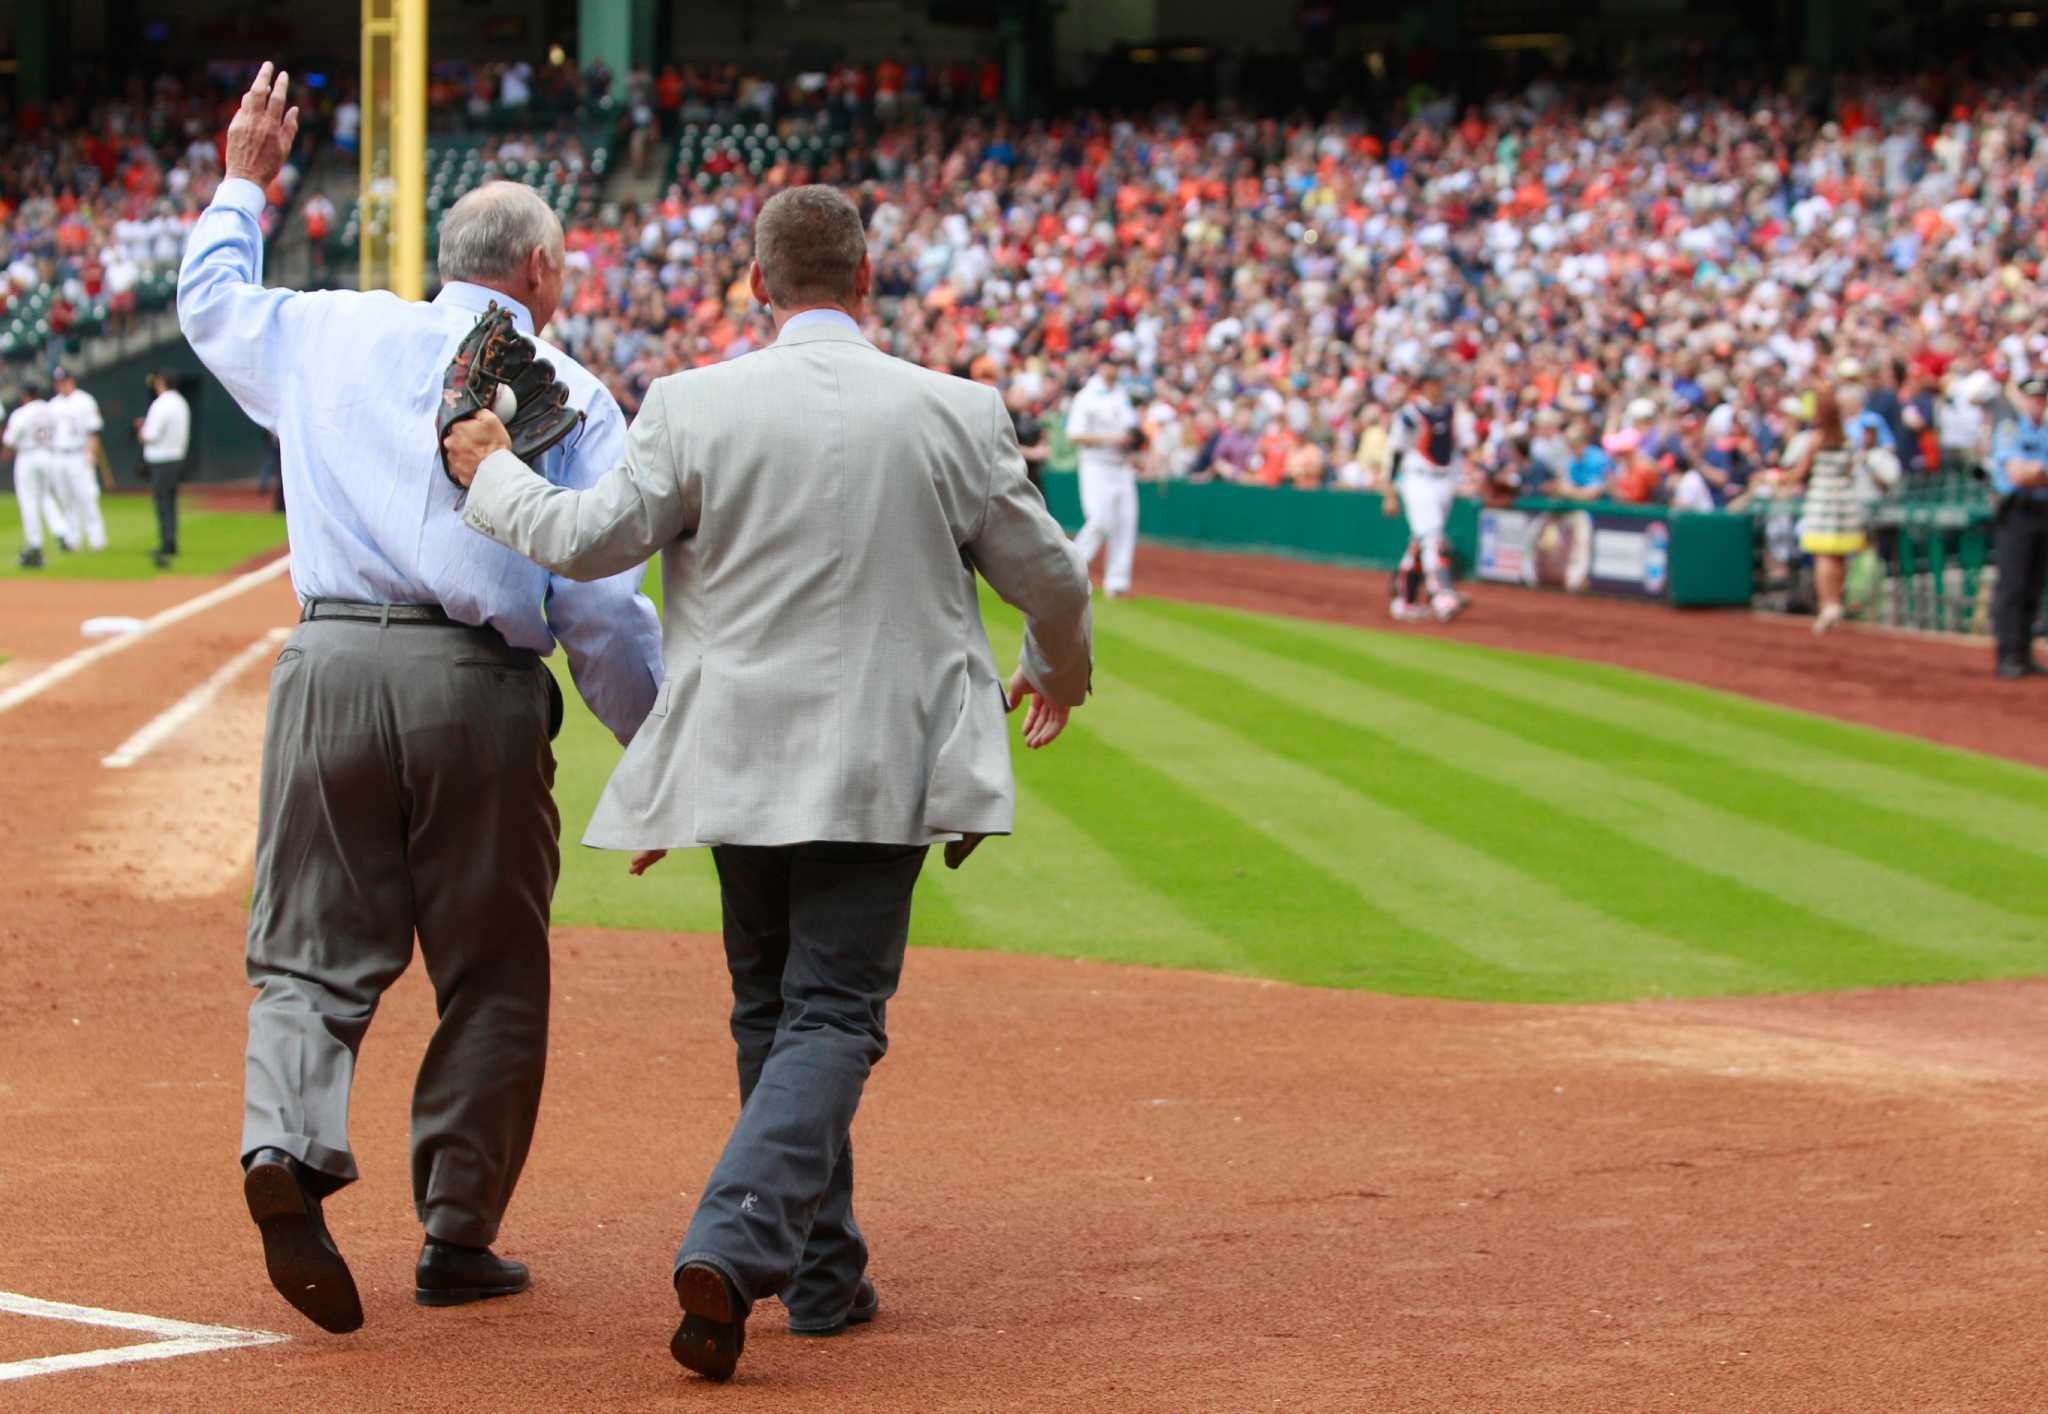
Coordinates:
[238,328]
[645,502]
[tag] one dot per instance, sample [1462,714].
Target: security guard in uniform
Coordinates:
[2019,470]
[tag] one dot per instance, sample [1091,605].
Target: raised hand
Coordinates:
[260,136]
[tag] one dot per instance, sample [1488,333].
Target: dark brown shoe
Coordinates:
[304,1264]
[714,1328]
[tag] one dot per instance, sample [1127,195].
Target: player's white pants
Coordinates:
[78,491]
[1426,497]
[1109,510]
[32,487]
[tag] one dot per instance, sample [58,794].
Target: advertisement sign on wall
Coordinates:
[1551,549]
[1503,543]
[1631,557]
[1577,551]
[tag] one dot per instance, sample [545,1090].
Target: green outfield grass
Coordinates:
[209,542]
[1345,808]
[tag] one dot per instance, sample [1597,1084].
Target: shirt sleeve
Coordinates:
[91,414]
[241,331]
[2004,447]
[1077,415]
[607,627]
[153,422]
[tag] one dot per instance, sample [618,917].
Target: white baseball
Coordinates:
[505,404]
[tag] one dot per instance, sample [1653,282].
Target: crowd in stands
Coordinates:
[1634,295]
[1628,292]
[95,200]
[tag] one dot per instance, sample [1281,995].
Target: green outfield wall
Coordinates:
[226,445]
[1345,527]
[1644,552]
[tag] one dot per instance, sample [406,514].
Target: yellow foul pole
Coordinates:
[394,146]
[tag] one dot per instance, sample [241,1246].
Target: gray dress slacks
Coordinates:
[407,789]
[814,939]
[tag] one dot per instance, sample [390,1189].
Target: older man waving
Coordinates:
[406,767]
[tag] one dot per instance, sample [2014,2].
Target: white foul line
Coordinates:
[160,728]
[177,1337]
[85,657]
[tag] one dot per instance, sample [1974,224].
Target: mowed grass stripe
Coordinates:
[1945,766]
[1288,919]
[1479,903]
[1666,896]
[1938,784]
[1902,843]
[1613,841]
[1055,886]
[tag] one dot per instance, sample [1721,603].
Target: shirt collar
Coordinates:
[803,319]
[475,299]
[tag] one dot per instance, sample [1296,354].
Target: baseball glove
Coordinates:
[1137,439]
[494,355]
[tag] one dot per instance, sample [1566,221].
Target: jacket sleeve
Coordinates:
[1027,559]
[645,502]
[606,625]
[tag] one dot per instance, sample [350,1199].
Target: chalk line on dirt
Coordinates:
[162,727]
[176,1337]
[85,657]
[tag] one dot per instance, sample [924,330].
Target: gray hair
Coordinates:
[489,233]
[809,243]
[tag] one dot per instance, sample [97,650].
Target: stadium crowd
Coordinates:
[1637,297]
[96,198]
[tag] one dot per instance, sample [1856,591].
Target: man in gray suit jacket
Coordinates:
[831,709]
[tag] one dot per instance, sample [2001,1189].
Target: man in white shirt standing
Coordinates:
[1100,424]
[28,438]
[75,455]
[166,436]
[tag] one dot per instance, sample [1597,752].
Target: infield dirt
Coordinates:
[1088,1187]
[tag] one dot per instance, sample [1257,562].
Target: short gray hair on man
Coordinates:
[809,242]
[490,232]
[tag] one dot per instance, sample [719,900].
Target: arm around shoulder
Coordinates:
[645,502]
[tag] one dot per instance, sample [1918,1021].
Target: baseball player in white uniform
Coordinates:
[74,450]
[1101,423]
[28,438]
[1425,449]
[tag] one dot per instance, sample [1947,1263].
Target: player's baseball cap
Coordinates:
[59,374]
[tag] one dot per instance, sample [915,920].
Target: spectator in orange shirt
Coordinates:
[1276,444]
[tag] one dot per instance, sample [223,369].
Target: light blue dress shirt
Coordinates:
[350,382]
[2018,438]
[1872,422]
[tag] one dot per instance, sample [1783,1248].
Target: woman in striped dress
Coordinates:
[1831,520]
